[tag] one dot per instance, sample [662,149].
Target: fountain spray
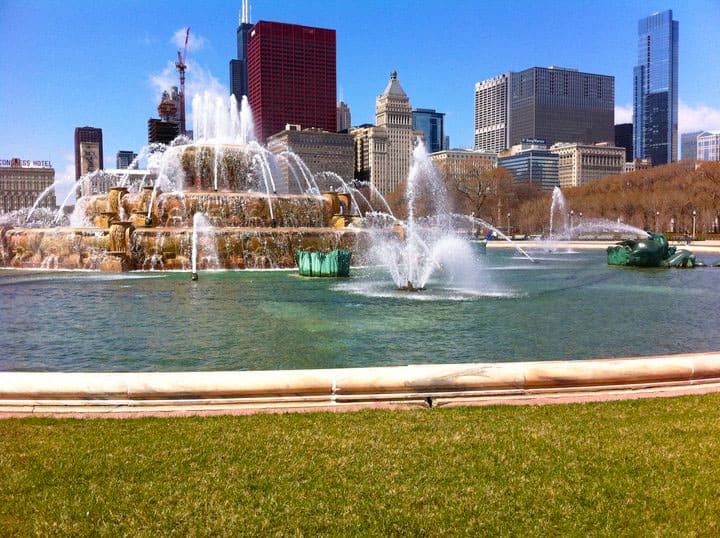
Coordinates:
[194,275]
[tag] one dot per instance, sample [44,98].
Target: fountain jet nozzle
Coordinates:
[411,287]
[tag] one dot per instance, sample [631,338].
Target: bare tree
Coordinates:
[475,188]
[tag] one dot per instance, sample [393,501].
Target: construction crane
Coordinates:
[180,65]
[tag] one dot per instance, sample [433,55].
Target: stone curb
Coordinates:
[242,392]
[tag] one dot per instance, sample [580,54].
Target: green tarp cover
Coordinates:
[333,263]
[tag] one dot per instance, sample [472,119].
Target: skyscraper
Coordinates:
[491,110]
[655,89]
[162,132]
[88,135]
[344,119]
[432,124]
[552,104]
[167,128]
[291,77]
[624,139]
[239,68]
[557,104]
[124,158]
[383,152]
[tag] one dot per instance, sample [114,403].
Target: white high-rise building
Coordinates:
[491,111]
[708,146]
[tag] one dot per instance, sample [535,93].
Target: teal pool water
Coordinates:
[567,306]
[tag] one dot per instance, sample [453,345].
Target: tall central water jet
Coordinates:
[410,258]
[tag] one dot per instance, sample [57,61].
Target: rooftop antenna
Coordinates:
[341,95]
[245,17]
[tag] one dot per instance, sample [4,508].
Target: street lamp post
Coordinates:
[672,225]
[508,224]
[694,217]
[572,214]
[657,216]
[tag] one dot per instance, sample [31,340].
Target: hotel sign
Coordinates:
[23,163]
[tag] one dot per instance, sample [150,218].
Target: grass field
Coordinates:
[621,468]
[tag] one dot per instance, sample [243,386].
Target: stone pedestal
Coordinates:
[115,262]
[105,219]
[139,220]
[345,201]
[119,237]
[334,201]
[115,199]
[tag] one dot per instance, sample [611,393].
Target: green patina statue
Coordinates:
[334,263]
[653,251]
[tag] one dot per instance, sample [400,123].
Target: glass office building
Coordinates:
[655,89]
[432,124]
[533,164]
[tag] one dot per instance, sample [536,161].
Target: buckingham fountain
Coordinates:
[221,202]
[224,189]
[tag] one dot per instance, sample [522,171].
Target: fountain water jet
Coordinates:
[558,205]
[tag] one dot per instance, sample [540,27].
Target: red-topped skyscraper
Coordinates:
[291,77]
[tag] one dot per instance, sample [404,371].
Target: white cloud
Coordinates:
[690,117]
[697,118]
[195,42]
[197,80]
[164,80]
[623,114]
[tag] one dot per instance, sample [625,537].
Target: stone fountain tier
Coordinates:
[123,247]
[241,209]
[53,248]
[241,247]
[235,209]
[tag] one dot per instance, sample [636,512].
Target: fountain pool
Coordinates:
[568,306]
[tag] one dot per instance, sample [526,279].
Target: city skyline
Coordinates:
[120,90]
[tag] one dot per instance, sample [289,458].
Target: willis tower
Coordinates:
[238,68]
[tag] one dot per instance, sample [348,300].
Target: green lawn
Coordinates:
[622,468]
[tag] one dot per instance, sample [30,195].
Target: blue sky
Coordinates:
[80,62]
